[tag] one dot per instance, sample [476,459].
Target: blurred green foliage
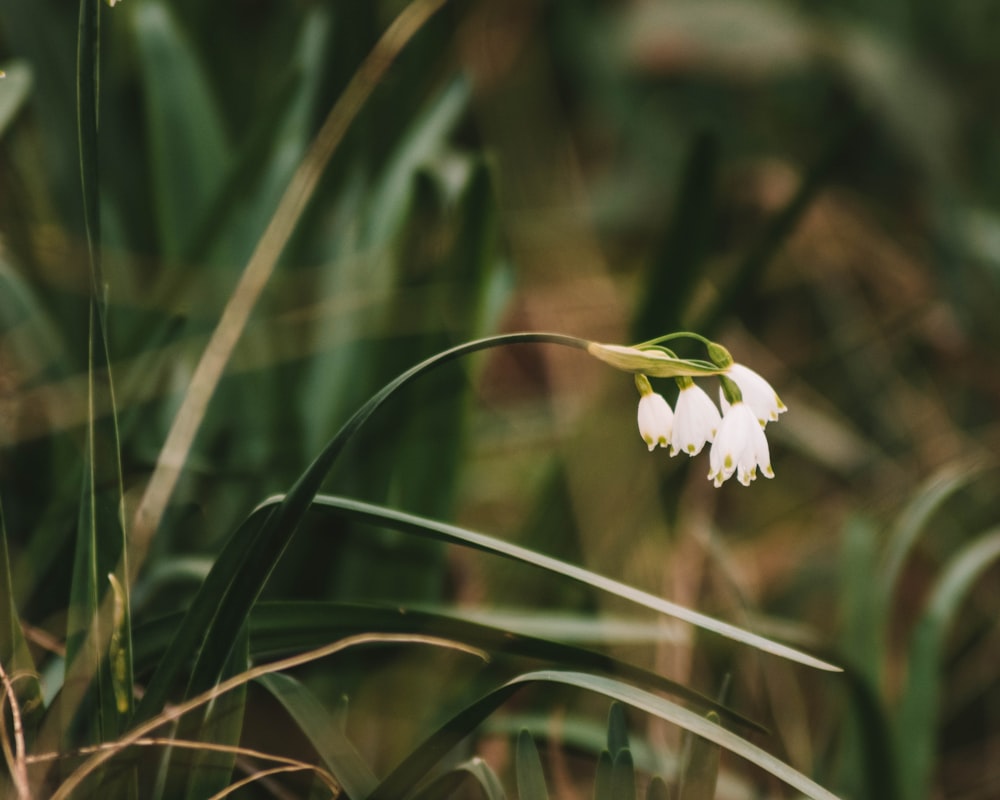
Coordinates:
[818,186]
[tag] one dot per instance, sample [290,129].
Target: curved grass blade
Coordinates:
[452,534]
[287,627]
[699,766]
[397,784]
[222,723]
[99,757]
[241,570]
[323,732]
[451,781]
[918,713]
[927,499]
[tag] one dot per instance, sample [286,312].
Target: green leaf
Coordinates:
[530,775]
[780,226]
[927,499]
[423,759]
[14,89]
[699,766]
[602,776]
[674,271]
[657,789]
[918,712]
[425,137]
[323,732]
[279,628]
[449,783]
[14,654]
[222,723]
[452,534]
[617,729]
[248,558]
[189,153]
[862,639]
[98,644]
[623,776]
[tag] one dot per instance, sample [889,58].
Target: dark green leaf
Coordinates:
[324,733]
[530,775]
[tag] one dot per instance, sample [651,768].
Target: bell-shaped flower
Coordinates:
[740,447]
[655,420]
[757,393]
[696,419]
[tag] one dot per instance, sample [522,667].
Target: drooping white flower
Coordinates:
[757,393]
[696,420]
[655,420]
[740,447]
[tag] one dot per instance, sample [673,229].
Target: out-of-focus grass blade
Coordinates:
[421,526]
[288,627]
[324,734]
[927,499]
[258,174]
[14,653]
[424,138]
[918,712]
[872,771]
[623,776]
[617,729]
[602,776]
[658,789]
[98,619]
[449,783]
[397,784]
[187,636]
[239,573]
[222,723]
[778,229]
[14,89]
[861,633]
[187,139]
[699,766]
[674,270]
[530,775]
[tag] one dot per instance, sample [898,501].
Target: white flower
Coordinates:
[655,420]
[740,446]
[757,393]
[696,420]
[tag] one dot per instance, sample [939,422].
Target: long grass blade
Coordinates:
[421,526]
[279,628]
[323,733]
[399,782]
[241,570]
[258,271]
[918,713]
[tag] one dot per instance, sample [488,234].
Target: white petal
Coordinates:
[757,393]
[655,420]
[740,447]
[696,421]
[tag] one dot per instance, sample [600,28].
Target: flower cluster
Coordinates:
[736,434]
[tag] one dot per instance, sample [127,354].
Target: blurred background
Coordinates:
[816,186]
